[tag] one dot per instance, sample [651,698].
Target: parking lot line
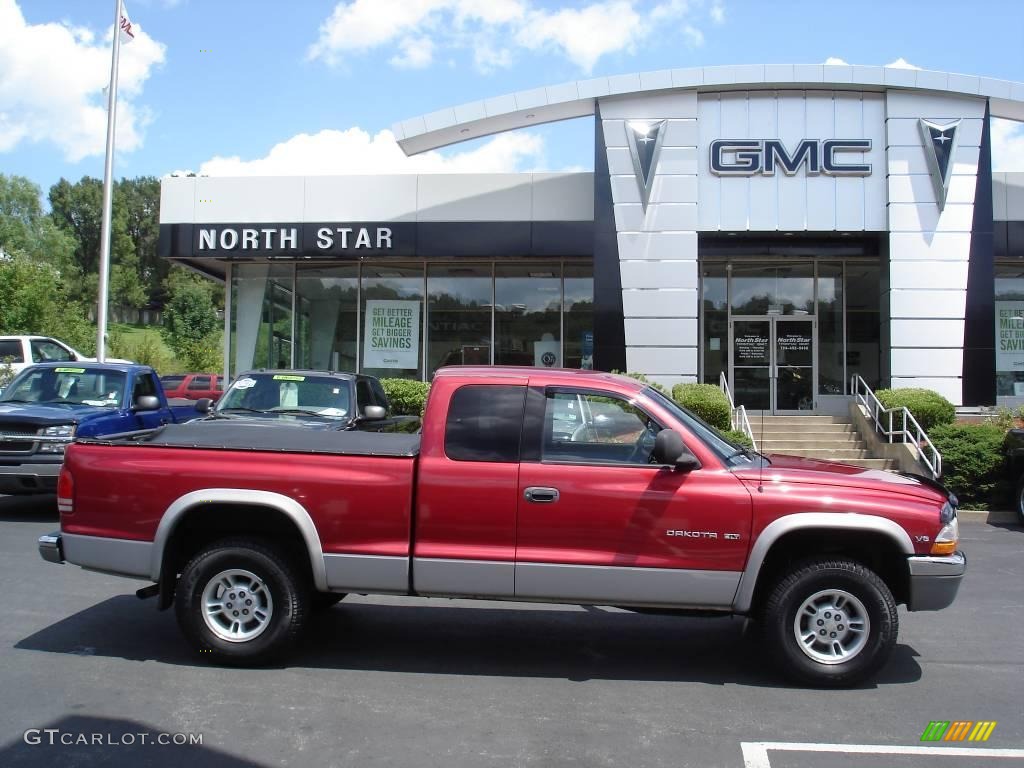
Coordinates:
[755,753]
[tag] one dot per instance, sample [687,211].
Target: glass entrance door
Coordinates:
[772,363]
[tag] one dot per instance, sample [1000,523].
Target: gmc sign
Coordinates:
[750,157]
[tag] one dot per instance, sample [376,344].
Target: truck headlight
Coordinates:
[947,539]
[66,433]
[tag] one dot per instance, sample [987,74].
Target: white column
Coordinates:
[251,284]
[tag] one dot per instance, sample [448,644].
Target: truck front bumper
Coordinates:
[36,476]
[934,581]
[50,548]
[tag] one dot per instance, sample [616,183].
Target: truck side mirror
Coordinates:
[203,404]
[670,450]
[374,412]
[147,403]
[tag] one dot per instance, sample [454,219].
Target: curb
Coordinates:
[989,516]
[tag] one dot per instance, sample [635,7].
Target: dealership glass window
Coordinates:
[578,292]
[458,315]
[326,322]
[715,314]
[527,314]
[863,320]
[760,289]
[261,309]
[1009,309]
[831,370]
[392,320]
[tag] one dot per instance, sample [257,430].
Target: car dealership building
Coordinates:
[785,226]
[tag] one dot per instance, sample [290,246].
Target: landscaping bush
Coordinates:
[738,436]
[707,401]
[973,462]
[929,408]
[407,397]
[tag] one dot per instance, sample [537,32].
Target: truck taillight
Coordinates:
[65,492]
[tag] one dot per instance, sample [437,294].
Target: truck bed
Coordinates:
[223,435]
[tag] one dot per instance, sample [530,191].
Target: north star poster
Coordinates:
[392,335]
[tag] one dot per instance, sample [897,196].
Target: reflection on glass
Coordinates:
[831,373]
[1009,287]
[794,389]
[773,290]
[261,316]
[458,315]
[389,282]
[752,388]
[863,321]
[579,315]
[326,304]
[716,322]
[528,303]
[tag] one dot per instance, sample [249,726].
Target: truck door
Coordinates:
[465,532]
[599,523]
[146,384]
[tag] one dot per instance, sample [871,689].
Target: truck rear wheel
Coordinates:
[831,622]
[241,602]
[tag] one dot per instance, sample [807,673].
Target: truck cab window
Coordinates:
[484,423]
[44,351]
[144,385]
[589,428]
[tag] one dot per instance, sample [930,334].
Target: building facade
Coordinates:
[779,227]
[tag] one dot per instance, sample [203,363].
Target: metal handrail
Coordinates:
[908,431]
[737,414]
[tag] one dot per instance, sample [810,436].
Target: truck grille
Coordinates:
[9,438]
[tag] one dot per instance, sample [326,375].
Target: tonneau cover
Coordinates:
[222,434]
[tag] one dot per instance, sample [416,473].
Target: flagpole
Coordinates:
[108,192]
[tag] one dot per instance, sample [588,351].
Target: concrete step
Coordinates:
[872,463]
[832,454]
[815,430]
[782,446]
[797,420]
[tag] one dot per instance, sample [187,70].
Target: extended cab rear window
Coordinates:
[484,423]
[10,351]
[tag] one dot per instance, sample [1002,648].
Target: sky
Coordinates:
[267,87]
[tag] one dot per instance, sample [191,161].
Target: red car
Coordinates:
[529,485]
[193,386]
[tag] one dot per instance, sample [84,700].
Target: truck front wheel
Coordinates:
[831,622]
[241,602]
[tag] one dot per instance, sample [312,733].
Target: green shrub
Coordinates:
[929,408]
[407,397]
[644,380]
[738,436]
[707,401]
[973,462]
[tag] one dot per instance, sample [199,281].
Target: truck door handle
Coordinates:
[539,495]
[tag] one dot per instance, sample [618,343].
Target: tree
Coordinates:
[139,199]
[26,228]
[35,299]
[191,327]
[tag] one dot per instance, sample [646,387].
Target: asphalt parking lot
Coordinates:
[404,682]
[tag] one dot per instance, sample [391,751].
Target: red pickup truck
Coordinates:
[530,485]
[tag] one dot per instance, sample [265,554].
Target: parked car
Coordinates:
[46,406]
[193,386]
[23,351]
[245,528]
[312,399]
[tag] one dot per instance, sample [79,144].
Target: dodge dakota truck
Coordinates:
[571,487]
[47,405]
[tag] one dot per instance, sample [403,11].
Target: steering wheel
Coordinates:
[584,433]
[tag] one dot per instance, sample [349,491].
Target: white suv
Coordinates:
[23,351]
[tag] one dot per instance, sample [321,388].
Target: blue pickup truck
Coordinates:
[48,405]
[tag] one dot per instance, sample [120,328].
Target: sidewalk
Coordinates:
[990,516]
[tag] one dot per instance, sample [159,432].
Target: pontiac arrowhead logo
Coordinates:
[939,146]
[645,146]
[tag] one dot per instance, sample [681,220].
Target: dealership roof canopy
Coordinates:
[578,98]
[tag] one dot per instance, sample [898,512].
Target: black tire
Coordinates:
[869,651]
[284,620]
[1020,500]
[321,601]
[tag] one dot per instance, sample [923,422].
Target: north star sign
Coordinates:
[264,239]
[752,157]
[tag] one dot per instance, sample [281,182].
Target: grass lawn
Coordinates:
[130,338]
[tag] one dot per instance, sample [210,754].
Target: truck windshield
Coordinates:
[67,386]
[277,394]
[711,437]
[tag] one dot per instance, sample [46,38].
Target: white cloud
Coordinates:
[836,61]
[496,30]
[901,63]
[1007,145]
[355,151]
[52,82]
